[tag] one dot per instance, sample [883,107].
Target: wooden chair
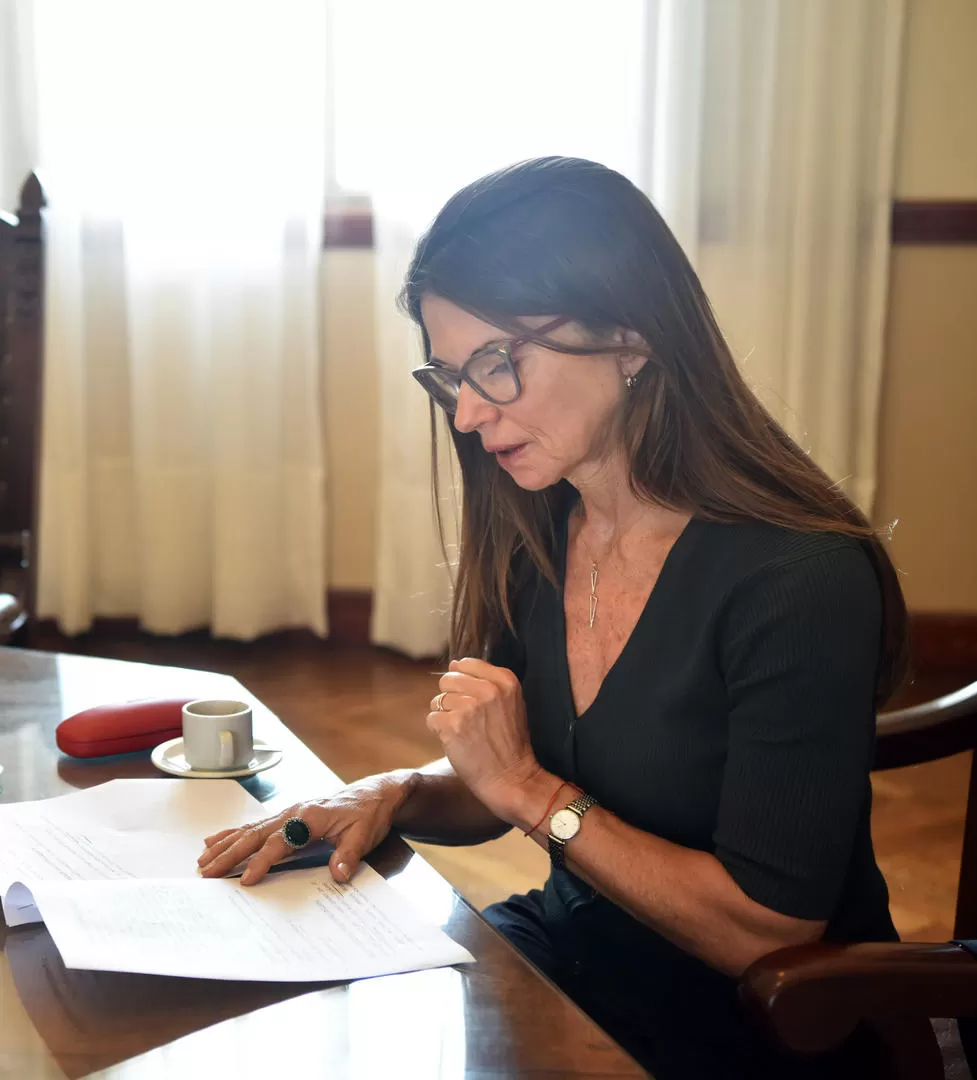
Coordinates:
[21,359]
[812,998]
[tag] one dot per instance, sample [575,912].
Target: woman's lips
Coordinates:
[506,454]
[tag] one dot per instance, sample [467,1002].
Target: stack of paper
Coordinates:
[112,873]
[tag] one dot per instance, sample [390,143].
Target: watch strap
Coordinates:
[581,804]
[557,860]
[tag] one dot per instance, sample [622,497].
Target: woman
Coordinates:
[688,629]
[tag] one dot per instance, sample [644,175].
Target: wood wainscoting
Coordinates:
[943,641]
[349,613]
[934,221]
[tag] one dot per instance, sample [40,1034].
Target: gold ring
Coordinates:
[439,701]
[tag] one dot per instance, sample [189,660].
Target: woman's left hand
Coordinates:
[484,733]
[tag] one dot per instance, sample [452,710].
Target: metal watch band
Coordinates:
[580,805]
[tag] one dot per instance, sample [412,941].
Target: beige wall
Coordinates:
[937,151]
[928,431]
[350,411]
[928,436]
[928,467]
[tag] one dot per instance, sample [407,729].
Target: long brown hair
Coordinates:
[564,236]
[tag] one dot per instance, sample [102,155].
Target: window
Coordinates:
[464,88]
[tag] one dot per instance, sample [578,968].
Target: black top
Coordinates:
[738,719]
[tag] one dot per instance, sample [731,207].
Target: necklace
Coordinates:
[593,581]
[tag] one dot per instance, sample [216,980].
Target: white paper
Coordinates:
[112,871]
[122,829]
[292,927]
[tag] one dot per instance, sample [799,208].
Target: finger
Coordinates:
[236,850]
[345,860]
[273,850]
[220,846]
[211,840]
[457,682]
[471,695]
[438,699]
[447,719]
[501,677]
[459,696]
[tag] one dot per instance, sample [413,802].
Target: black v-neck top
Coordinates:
[738,718]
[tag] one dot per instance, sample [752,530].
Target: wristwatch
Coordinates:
[564,826]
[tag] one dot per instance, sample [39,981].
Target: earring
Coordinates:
[630,380]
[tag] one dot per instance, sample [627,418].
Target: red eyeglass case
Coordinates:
[121,728]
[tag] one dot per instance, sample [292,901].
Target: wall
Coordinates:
[928,433]
[937,152]
[350,412]
[928,467]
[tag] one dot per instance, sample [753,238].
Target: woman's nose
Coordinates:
[472,409]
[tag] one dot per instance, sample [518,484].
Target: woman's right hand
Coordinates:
[354,820]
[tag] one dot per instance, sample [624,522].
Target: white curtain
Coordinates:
[183,148]
[763,131]
[18,101]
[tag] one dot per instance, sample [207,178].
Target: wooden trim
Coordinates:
[934,221]
[21,362]
[348,229]
[914,221]
[46,633]
[943,640]
[349,616]
[965,917]
[349,623]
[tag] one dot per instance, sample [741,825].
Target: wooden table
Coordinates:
[496,1018]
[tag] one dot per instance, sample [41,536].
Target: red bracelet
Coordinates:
[549,805]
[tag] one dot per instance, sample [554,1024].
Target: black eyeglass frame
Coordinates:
[503,349]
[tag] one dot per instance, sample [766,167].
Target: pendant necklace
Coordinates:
[593,582]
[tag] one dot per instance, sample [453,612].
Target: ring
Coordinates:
[296,833]
[439,701]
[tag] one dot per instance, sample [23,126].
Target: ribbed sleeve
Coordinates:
[798,648]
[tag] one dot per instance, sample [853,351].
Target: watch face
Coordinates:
[564,824]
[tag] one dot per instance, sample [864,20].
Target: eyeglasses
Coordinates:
[490,372]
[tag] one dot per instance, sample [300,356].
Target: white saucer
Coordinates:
[170,758]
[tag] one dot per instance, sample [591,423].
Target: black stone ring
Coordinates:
[296,833]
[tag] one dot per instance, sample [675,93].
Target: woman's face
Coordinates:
[558,426]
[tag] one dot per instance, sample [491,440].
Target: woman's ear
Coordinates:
[631,363]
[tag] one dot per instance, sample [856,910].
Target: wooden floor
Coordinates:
[362,711]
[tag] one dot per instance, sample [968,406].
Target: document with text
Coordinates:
[122,829]
[111,871]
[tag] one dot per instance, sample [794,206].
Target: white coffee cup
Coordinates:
[217,734]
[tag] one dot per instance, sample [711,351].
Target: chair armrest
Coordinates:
[12,617]
[926,732]
[810,998]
